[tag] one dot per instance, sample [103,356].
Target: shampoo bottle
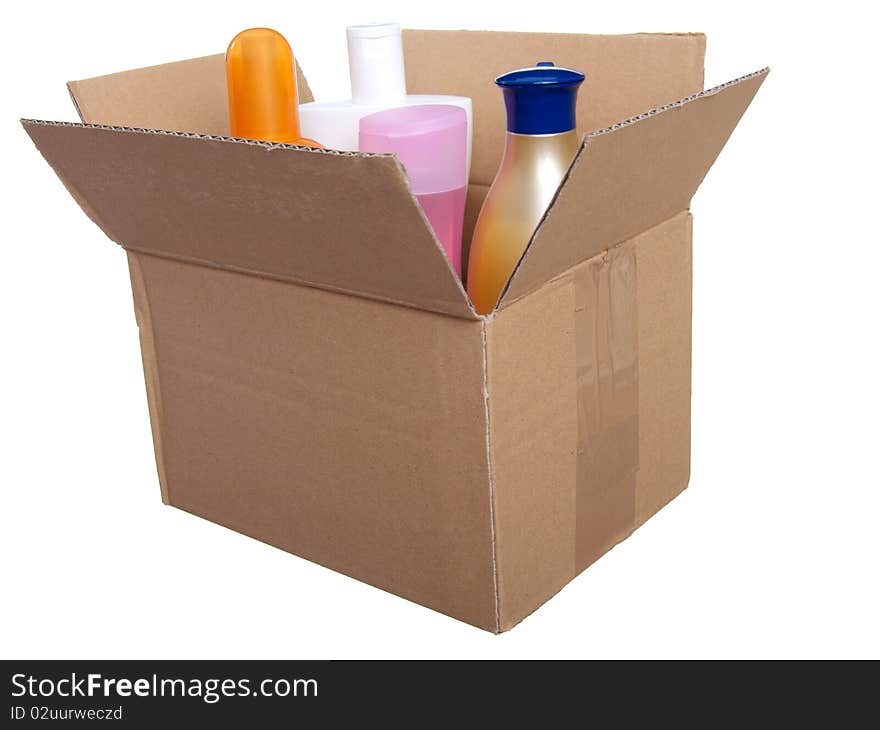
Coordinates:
[378,82]
[540,145]
[261,84]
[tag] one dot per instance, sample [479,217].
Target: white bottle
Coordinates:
[378,82]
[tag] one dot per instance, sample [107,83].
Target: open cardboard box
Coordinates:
[316,376]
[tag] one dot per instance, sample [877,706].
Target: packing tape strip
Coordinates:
[607,350]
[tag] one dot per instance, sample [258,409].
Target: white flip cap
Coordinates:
[375,63]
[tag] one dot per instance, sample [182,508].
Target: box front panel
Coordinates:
[347,431]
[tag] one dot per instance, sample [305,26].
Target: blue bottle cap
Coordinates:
[541,99]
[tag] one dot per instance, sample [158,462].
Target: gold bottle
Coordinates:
[541,143]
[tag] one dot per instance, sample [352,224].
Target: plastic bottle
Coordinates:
[378,82]
[261,83]
[431,143]
[540,145]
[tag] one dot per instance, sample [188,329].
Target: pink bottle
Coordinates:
[431,141]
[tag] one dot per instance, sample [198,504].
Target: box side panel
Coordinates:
[665,276]
[346,431]
[589,392]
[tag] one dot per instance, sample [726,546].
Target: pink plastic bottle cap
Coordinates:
[430,140]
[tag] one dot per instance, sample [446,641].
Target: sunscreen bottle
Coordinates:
[261,83]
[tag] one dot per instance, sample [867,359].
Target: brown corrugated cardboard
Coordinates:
[533,440]
[664,304]
[228,201]
[316,377]
[545,535]
[355,227]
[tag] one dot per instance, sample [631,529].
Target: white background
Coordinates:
[772,552]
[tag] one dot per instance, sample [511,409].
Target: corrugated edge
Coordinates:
[199,135]
[268,146]
[490,477]
[577,158]
[675,104]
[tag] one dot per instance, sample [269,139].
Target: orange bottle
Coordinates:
[261,83]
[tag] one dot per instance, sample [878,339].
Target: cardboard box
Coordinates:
[316,376]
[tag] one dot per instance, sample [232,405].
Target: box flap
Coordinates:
[629,177]
[626,74]
[339,221]
[186,96]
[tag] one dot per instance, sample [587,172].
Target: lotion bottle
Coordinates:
[430,141]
